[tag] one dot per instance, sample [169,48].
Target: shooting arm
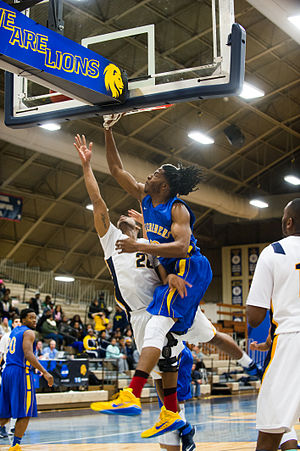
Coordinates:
[126,180]
[101,217]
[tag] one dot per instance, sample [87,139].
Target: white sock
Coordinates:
[245,360]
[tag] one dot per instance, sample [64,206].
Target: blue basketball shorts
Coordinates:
[197,271]
[17,395]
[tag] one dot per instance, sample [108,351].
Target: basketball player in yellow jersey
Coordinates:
[276,285]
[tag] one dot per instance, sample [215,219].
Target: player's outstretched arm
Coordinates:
[124,178]
[101,217]
[28,340]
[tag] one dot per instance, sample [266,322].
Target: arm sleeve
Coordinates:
[261,290]
[108,240]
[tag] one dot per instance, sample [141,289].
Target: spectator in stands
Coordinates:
[78,331]
[47,302]
[195,382]
[94,308]
[108,331]
[35,303]
[51,352]
[90,344]
[120,320]
[132,353]
[198,357]
[76,318]
[4,326]
[39,349]
[5,337]
[2,289]
[66,331]
[102,344]
[5,305]
[49,329]
[101,321]
[58,314]
[113,352]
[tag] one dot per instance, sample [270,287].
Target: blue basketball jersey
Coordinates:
[15,353]
[158,221]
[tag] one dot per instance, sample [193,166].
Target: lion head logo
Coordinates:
[113,80]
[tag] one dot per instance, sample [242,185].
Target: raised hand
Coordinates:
[138,217]
[84,152]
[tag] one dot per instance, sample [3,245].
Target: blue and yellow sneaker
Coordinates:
[254,369]
[15,448]
[168,421]
[124,403]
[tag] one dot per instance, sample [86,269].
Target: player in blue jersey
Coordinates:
[169,224]
[17,396]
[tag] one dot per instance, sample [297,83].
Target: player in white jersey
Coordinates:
[276,285]
[135,278]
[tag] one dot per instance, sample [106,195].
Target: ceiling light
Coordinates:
[258,203]
[295,20]
[51,126]
[292,179]
[89,207]
[201,138]
[64,279]
[251,92]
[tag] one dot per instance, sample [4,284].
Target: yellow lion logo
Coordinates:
[113,80]
[83,370]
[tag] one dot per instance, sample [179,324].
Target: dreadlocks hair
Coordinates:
[182,180]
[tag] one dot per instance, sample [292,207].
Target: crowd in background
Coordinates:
[99,336]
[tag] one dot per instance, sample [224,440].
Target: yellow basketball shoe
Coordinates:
[168,421]
[17,447]
[125,403]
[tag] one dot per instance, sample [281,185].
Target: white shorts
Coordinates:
[201,331]
[138,320]
[278,402]
[172,438]
[292,435]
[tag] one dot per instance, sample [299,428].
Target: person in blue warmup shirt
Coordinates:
[17,396]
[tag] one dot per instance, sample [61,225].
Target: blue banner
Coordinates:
[253,254]
[237,292]
[56,59]
[11,207]
[236,262]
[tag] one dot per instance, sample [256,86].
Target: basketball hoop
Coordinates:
[143,110]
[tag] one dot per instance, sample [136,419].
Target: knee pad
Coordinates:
[168,363]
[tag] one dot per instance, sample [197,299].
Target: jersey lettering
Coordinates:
[12,345]
[142,260]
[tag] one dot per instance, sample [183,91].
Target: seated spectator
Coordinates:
[108,331]
[196,382]
[76,318]
[90,344]
[66,331]
[120,320]
[50,353]
[2,289]
[132,353]
[4,327]
[49,329]
[5,306]
[47,302]
[58,314]
[35,303]
[198,357]
[39,350]
[102,344]
[101,321]
[113,352]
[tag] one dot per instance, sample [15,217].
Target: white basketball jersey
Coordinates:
[134,275]
[276,283]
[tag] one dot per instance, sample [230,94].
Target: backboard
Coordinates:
[172,51]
